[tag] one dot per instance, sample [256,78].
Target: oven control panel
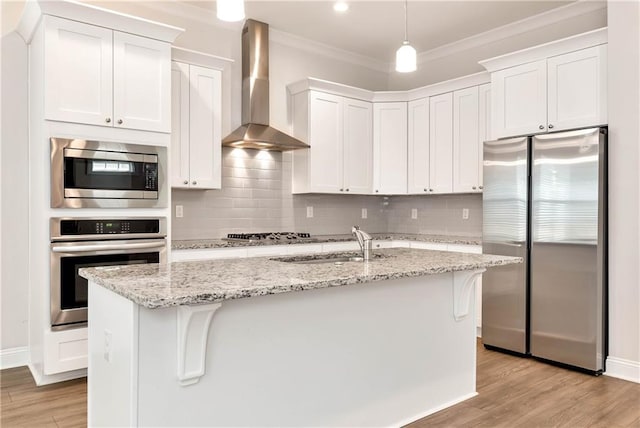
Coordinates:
[109,226]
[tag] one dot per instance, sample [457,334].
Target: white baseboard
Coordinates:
[426,413]
[14,357]
[623,369]
[478,331]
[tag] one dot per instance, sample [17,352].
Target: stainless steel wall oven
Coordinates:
[91,242]
[107,175]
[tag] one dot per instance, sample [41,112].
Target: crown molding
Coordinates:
[200,58]
[531,23]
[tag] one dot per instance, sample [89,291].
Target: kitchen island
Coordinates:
[283,341]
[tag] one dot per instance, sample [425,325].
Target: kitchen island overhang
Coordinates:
[381,343]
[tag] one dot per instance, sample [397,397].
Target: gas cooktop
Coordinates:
[266,236]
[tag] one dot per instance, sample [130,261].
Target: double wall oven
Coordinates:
[94,242]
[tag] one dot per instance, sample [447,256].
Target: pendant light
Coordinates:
[406,54]
[230,10]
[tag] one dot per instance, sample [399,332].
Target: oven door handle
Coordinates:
[105,247]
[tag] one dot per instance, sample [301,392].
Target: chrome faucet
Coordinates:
[365,240]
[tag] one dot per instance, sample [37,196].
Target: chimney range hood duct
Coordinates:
[255,132]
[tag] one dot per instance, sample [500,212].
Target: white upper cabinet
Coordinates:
[339,131]
[466,147]
[390,148]
[520,100]
[577,88]
[484,125]
[441,143]
[98,76]
[196,122]
[418,146]
[358,146]
[552,87]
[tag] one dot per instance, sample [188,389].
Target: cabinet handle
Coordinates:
[541,127]
[186,182]
[108,120]
[194,182]
[119,121]
[550,126]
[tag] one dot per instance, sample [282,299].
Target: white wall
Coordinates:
[15,191]
[624,189]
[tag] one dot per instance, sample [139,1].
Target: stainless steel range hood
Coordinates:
[255,132]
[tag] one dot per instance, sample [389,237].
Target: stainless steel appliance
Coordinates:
[269,236]
[107,175]
[90,242]
[545,199]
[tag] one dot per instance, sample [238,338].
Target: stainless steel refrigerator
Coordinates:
[545,199]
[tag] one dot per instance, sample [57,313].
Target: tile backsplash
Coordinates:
[256,197]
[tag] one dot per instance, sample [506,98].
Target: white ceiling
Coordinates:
[375,29]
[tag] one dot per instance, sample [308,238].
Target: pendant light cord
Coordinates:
[406,22]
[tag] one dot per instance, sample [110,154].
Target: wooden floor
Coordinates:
[513,392]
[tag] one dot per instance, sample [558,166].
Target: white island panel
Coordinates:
[383,354]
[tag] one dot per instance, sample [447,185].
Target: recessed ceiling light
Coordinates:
[340,6]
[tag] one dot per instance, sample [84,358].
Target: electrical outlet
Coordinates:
[465,213]
[364,213]
[108,345]
[414,213]
[179,211]
[309,212]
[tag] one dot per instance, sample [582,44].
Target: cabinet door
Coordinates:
[358,146]
[390,148]
[577,85]
[141,83]
[441,143]
[179,125]
[520,100]
[466,149]
[326,141]
[418,146]
[78,77]
[484,96]
[205,137]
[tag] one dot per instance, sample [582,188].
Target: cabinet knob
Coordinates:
[431,190]
[347,190]
[480,187]
[425,190]
[108,120]
[119,121]
[185,182]
[474,187]
[541,127]
[550,126]
[194,182]
[342,190]
[377,191]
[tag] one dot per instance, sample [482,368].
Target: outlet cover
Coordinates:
[465,213]
[179,211]
[309,212]
[364,213]
[414,213]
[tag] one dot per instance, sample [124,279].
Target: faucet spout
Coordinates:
[364,240]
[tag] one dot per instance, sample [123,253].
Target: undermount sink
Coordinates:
[336,258]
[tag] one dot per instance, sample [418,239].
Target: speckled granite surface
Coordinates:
[219,243]
[208,281]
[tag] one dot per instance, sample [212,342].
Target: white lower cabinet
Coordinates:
[390,148]
[196,127]
[65,350]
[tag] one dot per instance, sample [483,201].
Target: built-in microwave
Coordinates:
[101,174]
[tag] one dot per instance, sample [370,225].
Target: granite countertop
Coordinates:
[199,244]
[209,281]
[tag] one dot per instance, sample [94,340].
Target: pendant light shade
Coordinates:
[230,10]
[406,55]
[406,58]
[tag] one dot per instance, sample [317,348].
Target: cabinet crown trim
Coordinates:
[546,50]
[340,89]
[203,59]
[93,15]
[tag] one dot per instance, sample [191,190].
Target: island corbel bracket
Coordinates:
[193,331]
[463,282]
